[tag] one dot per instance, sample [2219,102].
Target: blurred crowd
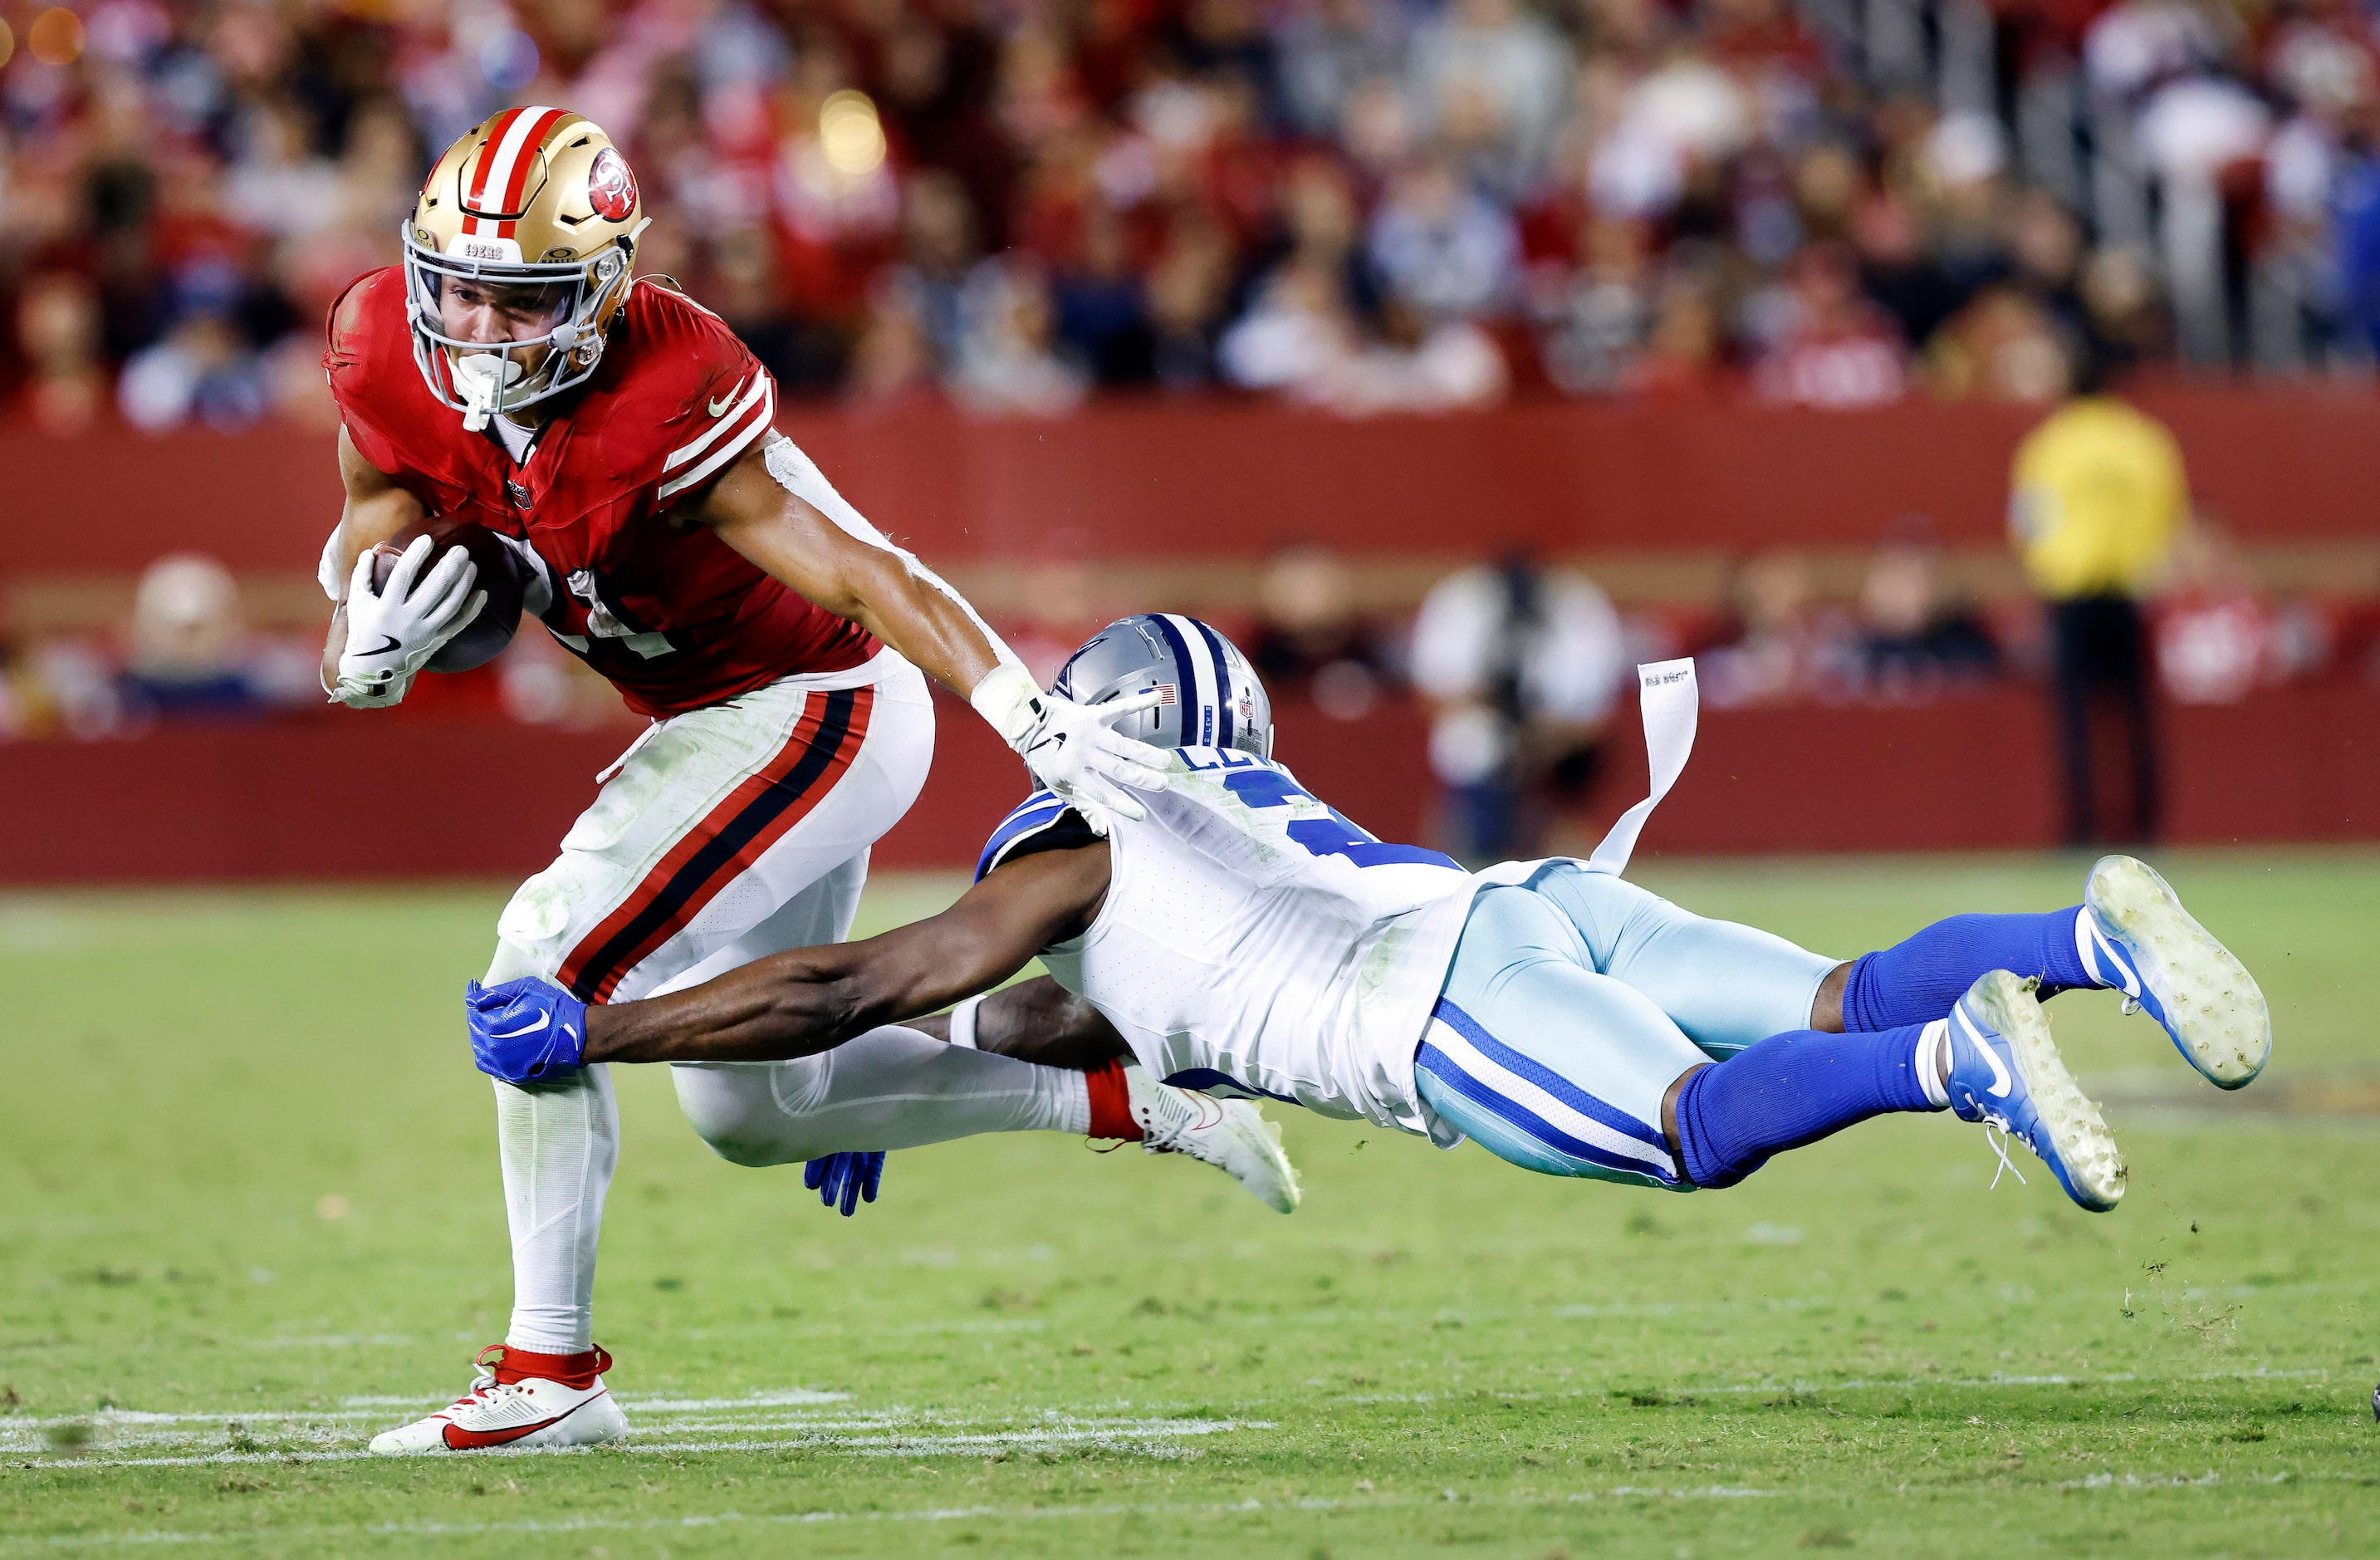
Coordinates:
[1516,664]
[1359,204]
[1513,641]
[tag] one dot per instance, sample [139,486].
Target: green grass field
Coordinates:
[248,1213]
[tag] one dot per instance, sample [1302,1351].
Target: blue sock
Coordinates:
[1919,978]
[1790,1090]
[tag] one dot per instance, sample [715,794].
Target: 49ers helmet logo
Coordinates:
[611,188]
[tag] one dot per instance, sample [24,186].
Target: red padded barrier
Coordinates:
[341,797]
[1219,479]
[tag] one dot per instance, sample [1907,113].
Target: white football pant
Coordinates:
[721,837]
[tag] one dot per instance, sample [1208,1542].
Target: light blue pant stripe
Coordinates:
[1600,994]
[1544,1077]
[1446,1074]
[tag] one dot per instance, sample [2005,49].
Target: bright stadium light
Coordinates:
[509,59]
[55,37]
[851,135]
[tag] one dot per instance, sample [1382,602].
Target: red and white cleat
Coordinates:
[519,1399]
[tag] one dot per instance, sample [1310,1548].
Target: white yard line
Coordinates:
[1892,1383]
[801,1417]
[123,1439]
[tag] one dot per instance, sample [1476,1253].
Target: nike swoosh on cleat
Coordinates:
[542,1019]
[462,1440]
[2001,1082]
[2115,957]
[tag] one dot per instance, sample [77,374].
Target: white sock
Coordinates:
[891,1088]
[1932,1062]
[963,1023]
[559,1144]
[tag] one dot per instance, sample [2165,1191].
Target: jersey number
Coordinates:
[1334,835]
[604,622]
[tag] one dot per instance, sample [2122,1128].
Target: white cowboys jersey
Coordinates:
[1253,940]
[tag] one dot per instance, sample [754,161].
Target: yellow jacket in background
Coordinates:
[2097,498]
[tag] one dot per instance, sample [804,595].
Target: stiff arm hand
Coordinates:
[1070,748]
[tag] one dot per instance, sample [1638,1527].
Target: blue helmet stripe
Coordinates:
[1222,683]
[1185,675]
[1202,673]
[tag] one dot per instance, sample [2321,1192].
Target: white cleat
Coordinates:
[2136,936]
[510,1406]
[1230,1135]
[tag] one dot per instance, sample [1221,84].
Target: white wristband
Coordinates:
[1006,700]
[963,1022]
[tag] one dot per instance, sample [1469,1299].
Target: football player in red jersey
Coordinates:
[515,372]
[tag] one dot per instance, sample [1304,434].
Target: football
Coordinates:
[501,575]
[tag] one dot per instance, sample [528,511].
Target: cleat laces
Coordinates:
[485,1388]
[1996,1132]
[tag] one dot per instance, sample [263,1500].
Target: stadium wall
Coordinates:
[350,798]
[1222,481]
[1180,495]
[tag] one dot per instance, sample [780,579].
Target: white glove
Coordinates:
[1069,747]
[392,633]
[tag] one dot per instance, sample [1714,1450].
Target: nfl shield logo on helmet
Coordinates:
[611,188]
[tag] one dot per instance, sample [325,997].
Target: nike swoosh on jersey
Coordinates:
[542,1019]
[727,400]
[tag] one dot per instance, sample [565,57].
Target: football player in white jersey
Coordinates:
[1244,937]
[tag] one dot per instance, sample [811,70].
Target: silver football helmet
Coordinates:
[1211,696]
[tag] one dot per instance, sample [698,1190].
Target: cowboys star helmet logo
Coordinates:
[611,188]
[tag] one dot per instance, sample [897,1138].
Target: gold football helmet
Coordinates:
[532,199]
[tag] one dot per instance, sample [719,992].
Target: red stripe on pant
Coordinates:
[823,746]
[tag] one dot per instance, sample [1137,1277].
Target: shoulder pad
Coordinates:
[700,397]
[366,309]
[1040,823]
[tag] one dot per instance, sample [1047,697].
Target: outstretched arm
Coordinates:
[775,507]
[810,1000]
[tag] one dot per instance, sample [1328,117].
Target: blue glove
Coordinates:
[850,1177]
[526,1030]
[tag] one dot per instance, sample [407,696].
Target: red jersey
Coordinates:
[673,615]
